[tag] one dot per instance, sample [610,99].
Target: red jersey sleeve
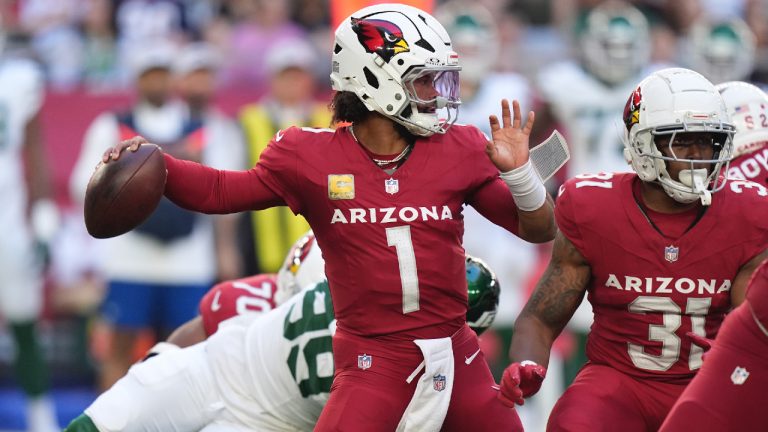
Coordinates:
[565,215]
[204,189]
[278,166]
[253,294]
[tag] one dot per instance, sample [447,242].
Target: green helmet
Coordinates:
[483,294]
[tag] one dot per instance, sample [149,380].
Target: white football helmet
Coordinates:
[614,42]
[381,50]
[748,107]
[670,102]
[721,51]
[303,266]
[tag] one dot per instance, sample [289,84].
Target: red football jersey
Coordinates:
[392,243]
[752,166]
[255,294]
[646,290]
[757,293]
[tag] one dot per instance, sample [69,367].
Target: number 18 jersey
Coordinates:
[648,290]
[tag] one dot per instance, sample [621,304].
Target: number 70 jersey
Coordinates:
[648,290]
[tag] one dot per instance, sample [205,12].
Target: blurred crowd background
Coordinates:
[242,69]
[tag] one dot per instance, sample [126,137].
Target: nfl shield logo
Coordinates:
[739,375]
[671,253]
[364,361]
[438,382]
[391,186]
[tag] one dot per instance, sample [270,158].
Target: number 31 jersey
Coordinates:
[647,290]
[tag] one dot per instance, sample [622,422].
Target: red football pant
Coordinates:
[604,399]
[374,399]
[713,402]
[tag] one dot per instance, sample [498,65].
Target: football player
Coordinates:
[260,371]
[729,392]
[30,220]
[384,198]
[748,108]
[659,252]
[722,50]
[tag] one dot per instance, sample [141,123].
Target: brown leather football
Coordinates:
[123,193]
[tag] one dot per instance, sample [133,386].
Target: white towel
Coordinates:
[429,405]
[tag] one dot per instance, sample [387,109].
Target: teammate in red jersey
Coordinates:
[748,108]
[729,391]
[384,198]
[660,252]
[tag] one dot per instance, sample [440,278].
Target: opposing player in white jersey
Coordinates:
[588,95]
[268,371]
[748,107]
[26,216]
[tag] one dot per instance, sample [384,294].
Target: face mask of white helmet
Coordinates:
[399,61]
[667,107]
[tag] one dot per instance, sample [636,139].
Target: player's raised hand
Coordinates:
[508,148]
[521,380]
[113,153]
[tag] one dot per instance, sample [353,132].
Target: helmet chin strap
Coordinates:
[697,180]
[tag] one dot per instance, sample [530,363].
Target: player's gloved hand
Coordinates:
[700,341]
[113,153]
[521,380]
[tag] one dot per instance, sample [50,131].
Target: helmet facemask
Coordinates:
[697,181]
[433,93]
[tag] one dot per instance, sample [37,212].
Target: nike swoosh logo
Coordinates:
[279,135]
[469,359]
[216,305]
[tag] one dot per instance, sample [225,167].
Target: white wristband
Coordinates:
[527,189]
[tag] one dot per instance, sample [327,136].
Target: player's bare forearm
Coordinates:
[552,304]
[537,226]
[739,287]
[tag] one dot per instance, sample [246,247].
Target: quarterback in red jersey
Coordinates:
[384,198]
[660,252]
[748,108]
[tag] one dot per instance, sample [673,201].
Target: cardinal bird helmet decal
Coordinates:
[400,62]
[381,37]
[632,109]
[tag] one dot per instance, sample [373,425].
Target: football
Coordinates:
[123,193]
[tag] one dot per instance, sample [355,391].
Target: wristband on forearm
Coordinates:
[527,188]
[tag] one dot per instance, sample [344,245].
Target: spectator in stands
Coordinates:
[172,255]
[289,101]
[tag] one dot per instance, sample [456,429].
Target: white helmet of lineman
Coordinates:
[748,107]
[381,50]
[303,266]
[614,43]
[669,102]
[721,50]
